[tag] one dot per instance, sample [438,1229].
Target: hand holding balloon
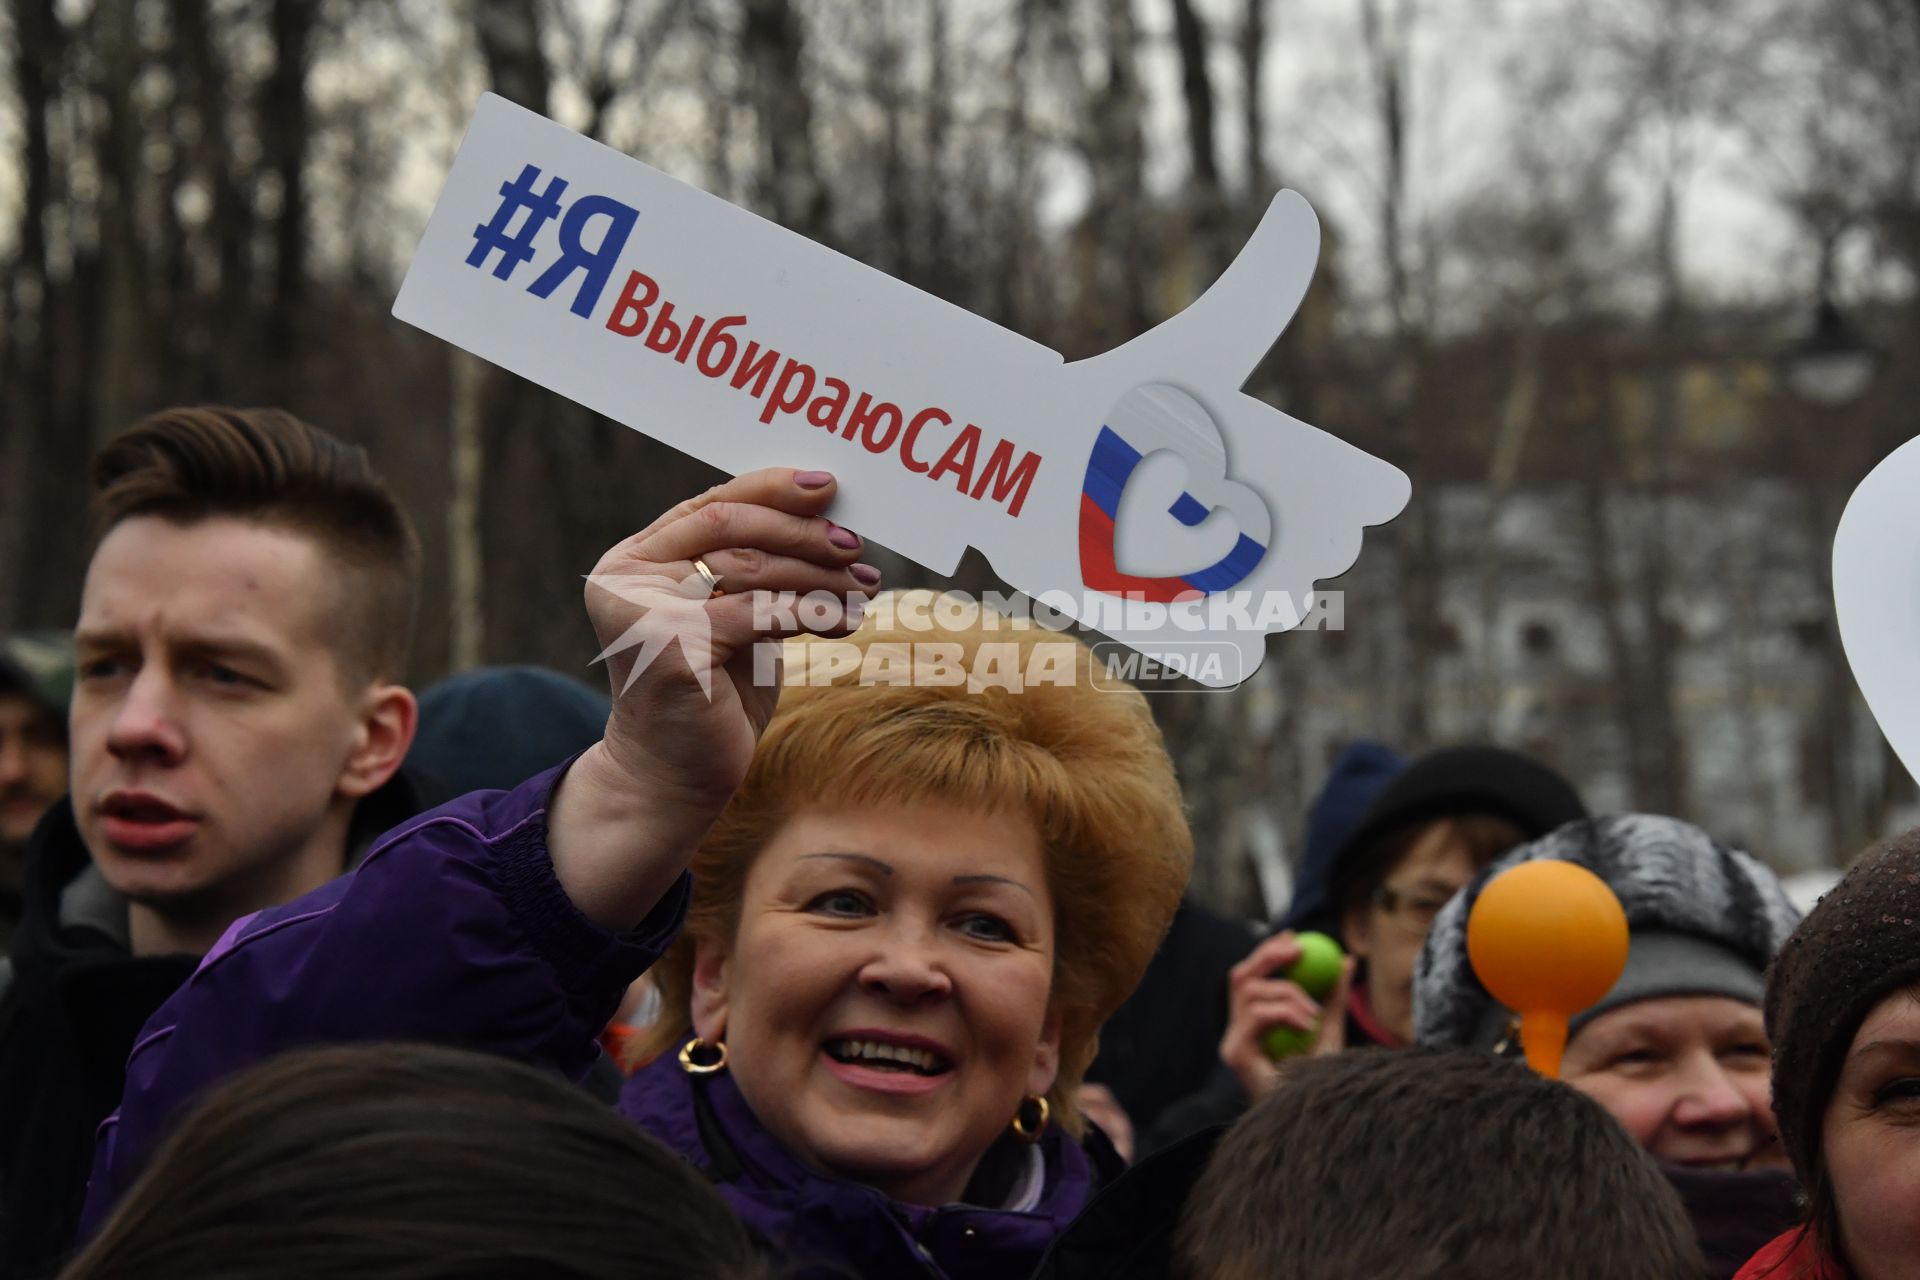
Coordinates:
[1547,938]
[1316,972]
[1270,1006]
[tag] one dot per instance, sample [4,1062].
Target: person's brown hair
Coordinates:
[269,467]
[1484,837]
[419,1161]
[1084,758]
[1428,1163]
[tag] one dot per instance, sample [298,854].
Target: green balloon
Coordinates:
[1284,1042]
[1318,968]
[1316,971]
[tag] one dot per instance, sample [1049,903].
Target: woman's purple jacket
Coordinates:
[454,930]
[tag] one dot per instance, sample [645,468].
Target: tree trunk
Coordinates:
[26,384]
[285,132]
[509,36]
[486,412]
[939,274]
[120,353]
[1206,203]
[1414,539]
[895,249]
[227,329]
[1598,491]
[790,187]
[1117,154]
[1662,786]
[1253,64]
[466,621]
[1010,285]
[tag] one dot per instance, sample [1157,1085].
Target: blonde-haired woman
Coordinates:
[913,902]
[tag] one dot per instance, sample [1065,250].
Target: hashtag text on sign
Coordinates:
[592,234]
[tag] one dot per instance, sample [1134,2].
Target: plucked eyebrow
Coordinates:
[984,879]
[886,869]
[866,859]
[1889,1046]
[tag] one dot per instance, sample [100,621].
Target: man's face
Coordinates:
[33,765]
[210,728]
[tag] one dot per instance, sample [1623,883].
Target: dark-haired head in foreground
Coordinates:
[1431,1163]
[415,1161]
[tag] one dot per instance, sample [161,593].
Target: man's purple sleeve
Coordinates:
[453,930]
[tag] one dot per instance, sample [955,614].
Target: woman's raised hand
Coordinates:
[691,718]
[688,709]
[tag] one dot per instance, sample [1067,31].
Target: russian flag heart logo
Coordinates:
[1150,418]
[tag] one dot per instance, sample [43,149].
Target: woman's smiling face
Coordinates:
[886,997]
[1686,1076]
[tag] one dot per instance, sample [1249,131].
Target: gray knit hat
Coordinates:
[1704,919]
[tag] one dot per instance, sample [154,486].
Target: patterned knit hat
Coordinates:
[1704,919]
[1859,945]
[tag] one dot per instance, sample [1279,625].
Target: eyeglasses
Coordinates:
[1413,908]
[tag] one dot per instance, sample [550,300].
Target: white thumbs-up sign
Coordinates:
[1876,592]
[1138,491]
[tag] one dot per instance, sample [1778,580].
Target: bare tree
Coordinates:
[1114,146]
[1253,123]
[26,377]
[508,32]
[122,326]
[790,184]
[1206,199]
[1387,38]
[286,135]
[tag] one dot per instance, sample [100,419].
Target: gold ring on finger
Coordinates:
[713,579]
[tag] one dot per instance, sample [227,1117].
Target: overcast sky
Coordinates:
[1467,56]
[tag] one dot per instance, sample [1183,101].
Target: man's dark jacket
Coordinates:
[1164,1042]
[1131,1229]
[74,1002]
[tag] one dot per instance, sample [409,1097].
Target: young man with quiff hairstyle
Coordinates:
[236,730]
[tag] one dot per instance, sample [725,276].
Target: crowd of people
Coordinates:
[723,977]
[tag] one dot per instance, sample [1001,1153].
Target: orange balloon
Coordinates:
[1547,938]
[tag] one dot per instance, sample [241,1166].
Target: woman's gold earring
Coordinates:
[1030,1132]
[694,1067]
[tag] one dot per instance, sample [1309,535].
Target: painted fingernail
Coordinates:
[845,539]
[865,573]
[813,479]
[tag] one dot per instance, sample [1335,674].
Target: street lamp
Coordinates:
[1833,365]
[1827,370]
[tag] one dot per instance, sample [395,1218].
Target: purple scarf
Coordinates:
[831,1227]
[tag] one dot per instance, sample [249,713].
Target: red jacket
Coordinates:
[1793,1256]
